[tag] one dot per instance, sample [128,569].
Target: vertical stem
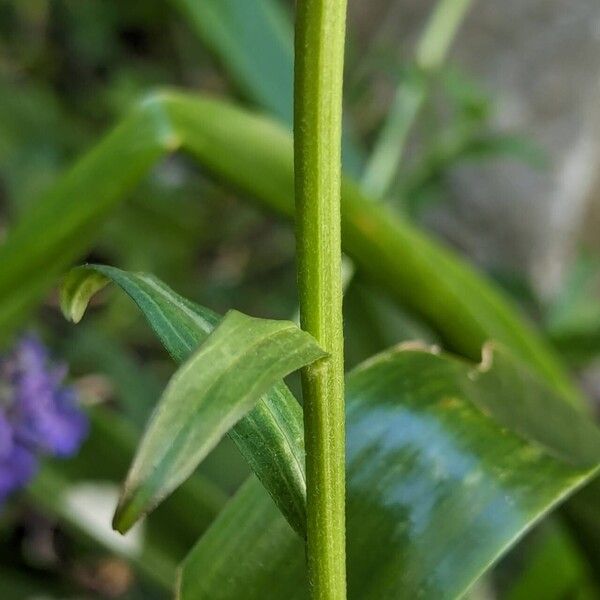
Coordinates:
[320,32]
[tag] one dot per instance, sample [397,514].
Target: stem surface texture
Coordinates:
[320,31]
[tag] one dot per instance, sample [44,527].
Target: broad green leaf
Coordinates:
[222,381]
[254,155]
[440,483]
[270,436]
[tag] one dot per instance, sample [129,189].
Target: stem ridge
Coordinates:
[320,36]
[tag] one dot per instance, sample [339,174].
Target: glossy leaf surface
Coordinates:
[440,483]
[270,436]
[253,154]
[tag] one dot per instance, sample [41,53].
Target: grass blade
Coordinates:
[253,40]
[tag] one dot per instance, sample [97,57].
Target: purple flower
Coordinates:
[38,414]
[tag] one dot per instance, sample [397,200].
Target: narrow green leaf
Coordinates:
[76,291]
[270,437]
[65,221]
[255,155]
[253,40]
[392,139]
[206,397]
[441,482]
[411,94]
[179,324]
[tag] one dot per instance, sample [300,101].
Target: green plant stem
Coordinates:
[431,53]
[320,33]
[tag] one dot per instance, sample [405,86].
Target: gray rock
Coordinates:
[540,59]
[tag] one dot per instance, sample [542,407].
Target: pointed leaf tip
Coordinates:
[126,514]
[78,287]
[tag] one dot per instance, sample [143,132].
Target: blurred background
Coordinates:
[502,164]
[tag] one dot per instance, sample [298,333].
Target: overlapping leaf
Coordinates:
[253,40]
[215,388]
[448,464]
[270,436]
